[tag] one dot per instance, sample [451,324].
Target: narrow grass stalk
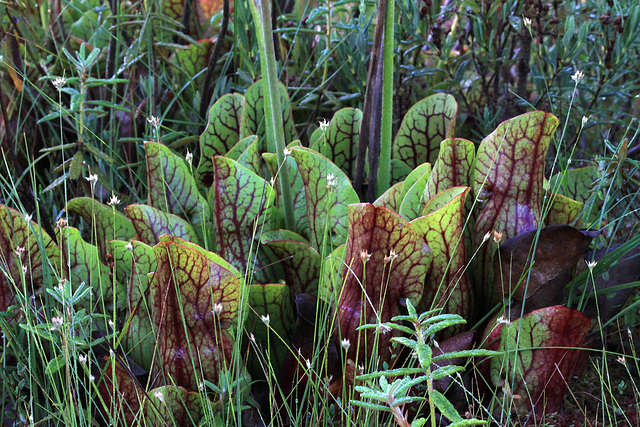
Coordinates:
[384,168]
[261,12]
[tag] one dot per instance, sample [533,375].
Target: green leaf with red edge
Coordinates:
[220,136]
[399,170]
[452,168]
[120,393]
[423,128]
[382,234]
[151,223]
[390,199]
[173,405]
[16,232]
[541,352]
[339,143]
[273,300]
[508,183]
[192,299]
[106,222]
[253,115]
[412,198]
[563,210]
[172,188]
[297,191]
[300,261]
[82,264]
[326,204]
[447,285]
[576,184]
[191,60]
[241,147]
[250,158]
[243,202]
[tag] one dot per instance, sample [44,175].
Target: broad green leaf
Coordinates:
[240,148]
[22,244]
[299,260]
[423,128]
[273,300]
[563,210]
[253,115]
[508,183]
[220,136]
[452,168]
[250,158]
[242,207]
[385,263]
[328,192]
[172,188]
[106,222]
[390,199]
[447,285]
[192,299]
[399,170]
[412,198]
[541,353]
[339,142]
[191,60]
[151,223]
[576,184]
[82,264]
[173,405]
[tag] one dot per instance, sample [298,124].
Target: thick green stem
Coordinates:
[261,12]
[384,169]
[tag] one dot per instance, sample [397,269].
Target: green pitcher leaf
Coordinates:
[151,223]
[22,243]
[576,184]
[106,222]
[299,260]
[390,199]
[387,260]
[423,128]
[250,158]
[273,300]
[192,299]
[173,405]
[541,352]
[220,136]
[82,264]
[191,60]
[412,193]
[452,168]
[508,184]
[242,206]
[253,122]
[447,285]
[172,188]
[563,210]
[240,148]
[399,170]
[339,142]
[328,192]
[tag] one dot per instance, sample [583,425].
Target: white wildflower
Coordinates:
[129,246]
[158,394]
[384,328]
[486,236]
[59,82]
[114,201]
[189,157]
[366,256]
[332,182]
[527,22]
[19,251]
[92,178]
[324,125]
[217,308]
[591,264]
[110,323]
[265,319]
[345,344]
[392,255]
[585,120]
[24,269]
[154,121]
[91,378]
[56,323]
[28,217]
[621,360]
[82,358]
[287,152]
[308,363]
[579,75]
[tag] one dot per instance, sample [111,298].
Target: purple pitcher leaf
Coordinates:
[390,199]
[300,261]
[541,352]
[452,168]
[297,191]
[396,262]
[220,136]
[328,192]
[558,248]
[211,256]
[253,121]
[173,405]
[20,243]
[82,264]
[508,183]
[192,299]
[108,223]
[151,223]
[423,128]
[172,188]
[412,194]
[243,202]
[563,210]
[447,285]
[274,301]
[121,394]
[339,142]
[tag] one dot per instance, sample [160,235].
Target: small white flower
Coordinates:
[392,255]
[60,286]
[154,121]
[92,178]
[59,82]
[497,236]
[502,320]
[345,344]
[27,218]
[19,251]
[527,22]
[91,378]
[332,182]
[24,269]
[158,394]
[114,201]
[62,222]
[579,75]
[384,328]
[486,236]
[189,157]
[324,125]
[265,319]
[201,386]
[56,323]
[217,308]
[585,120]
[110,323]
[591,264]
[366,256]
[308,363]
[129,246]
[272,181]
[252,338]
[287,152]
[82,358]
[621,360]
